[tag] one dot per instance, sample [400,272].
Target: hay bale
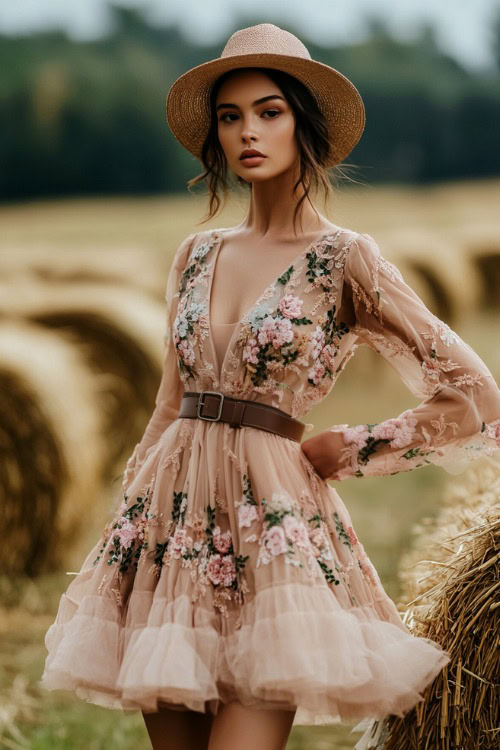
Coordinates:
[451,584]
[442,264]
[119,332]
[481,242]
[121,266]
[51,441]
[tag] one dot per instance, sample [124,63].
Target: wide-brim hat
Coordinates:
[266,45]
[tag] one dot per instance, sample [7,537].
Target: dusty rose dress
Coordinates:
[231,570]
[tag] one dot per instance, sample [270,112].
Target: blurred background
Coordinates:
[93,204]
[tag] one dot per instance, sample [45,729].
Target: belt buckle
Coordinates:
[201,402]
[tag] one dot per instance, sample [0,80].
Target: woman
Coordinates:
[230,596]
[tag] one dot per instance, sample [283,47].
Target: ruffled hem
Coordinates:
[274,657]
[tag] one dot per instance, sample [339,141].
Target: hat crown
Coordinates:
[264,38]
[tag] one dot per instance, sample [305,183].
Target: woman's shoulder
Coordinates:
[185,249]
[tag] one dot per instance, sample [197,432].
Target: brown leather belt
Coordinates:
[214,406]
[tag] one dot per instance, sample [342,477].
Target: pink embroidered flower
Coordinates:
[274,540]
[328,357]
[317,538]
[275,331]
[307,502]
[291,306]
[352,535]
[316,372]
[223,541]
[295,531]
[126,533]
[317,342]
[179,542]
[357,435]
[215,570]
[228,570]
[493,430]
[399,431]
[247,513]
[250,352]
[186,352]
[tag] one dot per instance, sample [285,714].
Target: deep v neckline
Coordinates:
[218,236]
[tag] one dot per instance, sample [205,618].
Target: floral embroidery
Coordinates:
[365,440]
[492,430]
[441,330]
[284,533]
[126,537]
[207,551]
[269,345]
[325,340]
[185,333]
[347,537]
[190,325]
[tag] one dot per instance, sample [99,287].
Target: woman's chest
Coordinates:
[284,319]
[240,274]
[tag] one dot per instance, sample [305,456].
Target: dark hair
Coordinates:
[311,133]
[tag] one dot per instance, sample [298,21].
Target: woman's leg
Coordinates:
[169,729]
[236,726]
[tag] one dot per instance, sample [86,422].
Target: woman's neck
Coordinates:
[271,212]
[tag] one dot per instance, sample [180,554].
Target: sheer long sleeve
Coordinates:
[459,418]
[171,389]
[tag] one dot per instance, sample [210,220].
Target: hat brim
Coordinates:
[188,101]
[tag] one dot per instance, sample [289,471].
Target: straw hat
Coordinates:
[266,45]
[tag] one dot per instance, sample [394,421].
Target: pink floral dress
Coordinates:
[231,570]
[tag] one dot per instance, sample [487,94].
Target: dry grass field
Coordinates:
[110,258]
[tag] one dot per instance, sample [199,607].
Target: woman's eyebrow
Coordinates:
[257,101]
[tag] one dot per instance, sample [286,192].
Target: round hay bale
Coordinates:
[50,435]
[444,267]
[451,583]
[123,266]
[481,242]
[119,332]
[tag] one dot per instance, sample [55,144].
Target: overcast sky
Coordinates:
[462,25]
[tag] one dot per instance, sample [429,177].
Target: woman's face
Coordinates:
[243,121]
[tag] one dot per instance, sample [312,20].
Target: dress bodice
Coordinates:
[221,334]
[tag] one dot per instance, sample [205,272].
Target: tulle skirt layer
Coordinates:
[231,571]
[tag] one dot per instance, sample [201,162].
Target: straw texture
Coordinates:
[451,581]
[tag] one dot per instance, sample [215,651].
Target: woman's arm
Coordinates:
[459,418]
[171,388]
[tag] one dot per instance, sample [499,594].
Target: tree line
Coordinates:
[89,117]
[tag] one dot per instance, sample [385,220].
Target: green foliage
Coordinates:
[89,117]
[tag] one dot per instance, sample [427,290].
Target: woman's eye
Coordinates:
[233,114]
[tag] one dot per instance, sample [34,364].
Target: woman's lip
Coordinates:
[252,159]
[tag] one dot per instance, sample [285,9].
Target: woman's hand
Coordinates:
[322,451]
